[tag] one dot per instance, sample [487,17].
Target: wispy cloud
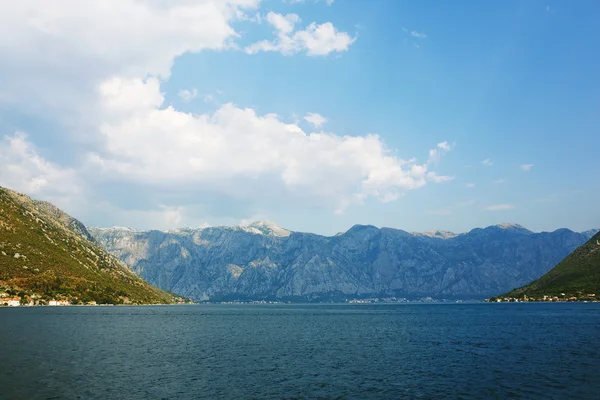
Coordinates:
[465,203]
[500,207]
[498,181]
[440,149]
[526,167]
[419,35]
[470,185]
[316,119]
[487,162]
[187,95]
[433,177]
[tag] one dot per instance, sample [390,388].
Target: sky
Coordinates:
[315,114]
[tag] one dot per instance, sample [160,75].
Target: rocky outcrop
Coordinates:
[264,261]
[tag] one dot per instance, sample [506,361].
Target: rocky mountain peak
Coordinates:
[268,228]
[511,226]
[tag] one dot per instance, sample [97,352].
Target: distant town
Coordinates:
[590,297]
[11,300]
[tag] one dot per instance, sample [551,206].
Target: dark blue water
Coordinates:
[450,351]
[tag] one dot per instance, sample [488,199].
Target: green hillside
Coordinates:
[45,255]
[578,275]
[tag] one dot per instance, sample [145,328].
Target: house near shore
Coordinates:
[10,301]
[58,303]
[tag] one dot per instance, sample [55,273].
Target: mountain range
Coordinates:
[265,261]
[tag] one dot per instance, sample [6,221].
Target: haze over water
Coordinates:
[486,351]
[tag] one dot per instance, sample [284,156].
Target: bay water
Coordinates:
[296,351]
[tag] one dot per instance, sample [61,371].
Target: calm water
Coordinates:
[451,351]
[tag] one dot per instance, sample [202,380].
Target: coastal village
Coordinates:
[11,300]
[563,298]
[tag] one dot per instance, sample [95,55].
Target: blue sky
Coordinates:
[425,115]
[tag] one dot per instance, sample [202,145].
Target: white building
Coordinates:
[58,303]
[13,302]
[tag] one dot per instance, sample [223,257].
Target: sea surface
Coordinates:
[412,351]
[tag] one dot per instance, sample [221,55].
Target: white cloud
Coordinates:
[172,216]
[419,35]
[316,39]
[470,185]
[69,46]
[24,170]
[187,95]
[499,181]
[526,167]
[94,63]
[208,98]
[433,177]
[232,149]
[436,154]
[444,146]
[283,23]
[317,120]
[500,207]
[487,162]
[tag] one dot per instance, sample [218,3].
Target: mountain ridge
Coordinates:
[253,228]
[221,263]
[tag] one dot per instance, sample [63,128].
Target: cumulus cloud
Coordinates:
[233,148]
[69,46]
[500,207]
[315,119]
[90,61]
[316,39]
[526,167]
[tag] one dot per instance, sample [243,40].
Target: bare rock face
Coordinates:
[264,261]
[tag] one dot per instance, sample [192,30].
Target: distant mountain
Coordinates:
[264,261]
[437,234]
[577,275]
[45,255]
